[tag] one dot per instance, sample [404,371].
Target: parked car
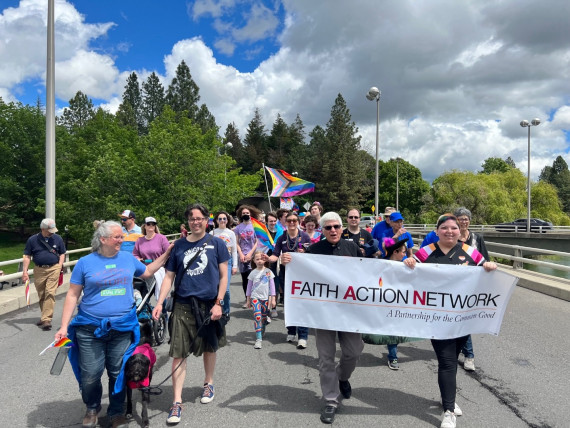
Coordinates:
[520,225]
[365,220]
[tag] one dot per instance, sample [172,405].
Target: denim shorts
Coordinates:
[183,332]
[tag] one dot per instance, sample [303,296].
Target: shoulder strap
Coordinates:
[51,250]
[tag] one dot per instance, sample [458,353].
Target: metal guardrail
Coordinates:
[518,258]
[492,228]
[66,264]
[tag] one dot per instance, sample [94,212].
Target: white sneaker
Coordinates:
[268,320]
[257,344]
[291,338]
[469,364]
[302,344]
[448,420]
[457,410]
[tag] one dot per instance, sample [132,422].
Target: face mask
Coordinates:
[245,217]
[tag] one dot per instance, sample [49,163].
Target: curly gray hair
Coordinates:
[104,230]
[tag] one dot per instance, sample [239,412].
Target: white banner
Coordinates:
[385,297]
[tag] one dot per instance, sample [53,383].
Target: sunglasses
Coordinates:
[150,223]
[292,221]
[333,226]
[222,219]
[353,217]
[123,219]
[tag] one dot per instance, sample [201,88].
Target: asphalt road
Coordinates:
[521,379]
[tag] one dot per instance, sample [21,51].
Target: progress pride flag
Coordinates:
[385,297]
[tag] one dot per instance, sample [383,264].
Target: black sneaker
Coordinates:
[345,388]
[328,413]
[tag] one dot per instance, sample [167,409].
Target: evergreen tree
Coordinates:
[278,144]
[183,92]
[79,112]
[237,152]
[298,154]
[206,120]
[153,98]
[133,97]
[341,179]
[255,144]
[510,162]
[126,116]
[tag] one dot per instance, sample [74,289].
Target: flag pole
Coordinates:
[267,186]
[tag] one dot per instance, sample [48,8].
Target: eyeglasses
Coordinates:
[222,219]
[123,219]
[196,219]
[116,238]
[463,220]
[332,226]
[150,223]
[292,221]
[353,217]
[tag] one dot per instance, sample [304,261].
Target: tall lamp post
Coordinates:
[526,124]
[226,146]
[374,94]
[398,184]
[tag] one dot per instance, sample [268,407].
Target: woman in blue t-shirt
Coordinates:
[106,323]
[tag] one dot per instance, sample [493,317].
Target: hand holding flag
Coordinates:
[27,292]
[64,342]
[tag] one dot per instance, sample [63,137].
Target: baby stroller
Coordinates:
[143,291]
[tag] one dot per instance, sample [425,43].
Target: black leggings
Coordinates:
[447,352]
[244,276]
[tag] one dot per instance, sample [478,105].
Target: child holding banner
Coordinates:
[261,294]
[449,251]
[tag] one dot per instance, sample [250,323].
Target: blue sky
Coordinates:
[456,77]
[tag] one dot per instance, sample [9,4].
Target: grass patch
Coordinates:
[11,247]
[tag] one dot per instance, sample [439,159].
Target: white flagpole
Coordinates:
[267,187]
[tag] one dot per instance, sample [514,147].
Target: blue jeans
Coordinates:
[303,332]
[393,352]
[226,307]
[94,355]
[467,349]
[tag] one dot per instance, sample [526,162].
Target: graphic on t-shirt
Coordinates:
[198,265]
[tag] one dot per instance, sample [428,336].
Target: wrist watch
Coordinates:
[220,302]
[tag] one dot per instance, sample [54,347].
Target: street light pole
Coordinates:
[374,94]
[398,184]
[526,124]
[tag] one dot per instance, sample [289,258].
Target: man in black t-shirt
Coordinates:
[48,251]
[354,233]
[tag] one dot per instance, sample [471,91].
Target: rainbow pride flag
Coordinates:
[285,185]
[28,292]
[262,233]
[64,342]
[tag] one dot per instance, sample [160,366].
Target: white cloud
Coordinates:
[23,52]
[93,74]
[261,23]
[456,77]
[215,8]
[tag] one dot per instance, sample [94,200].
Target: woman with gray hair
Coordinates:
[105,330]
